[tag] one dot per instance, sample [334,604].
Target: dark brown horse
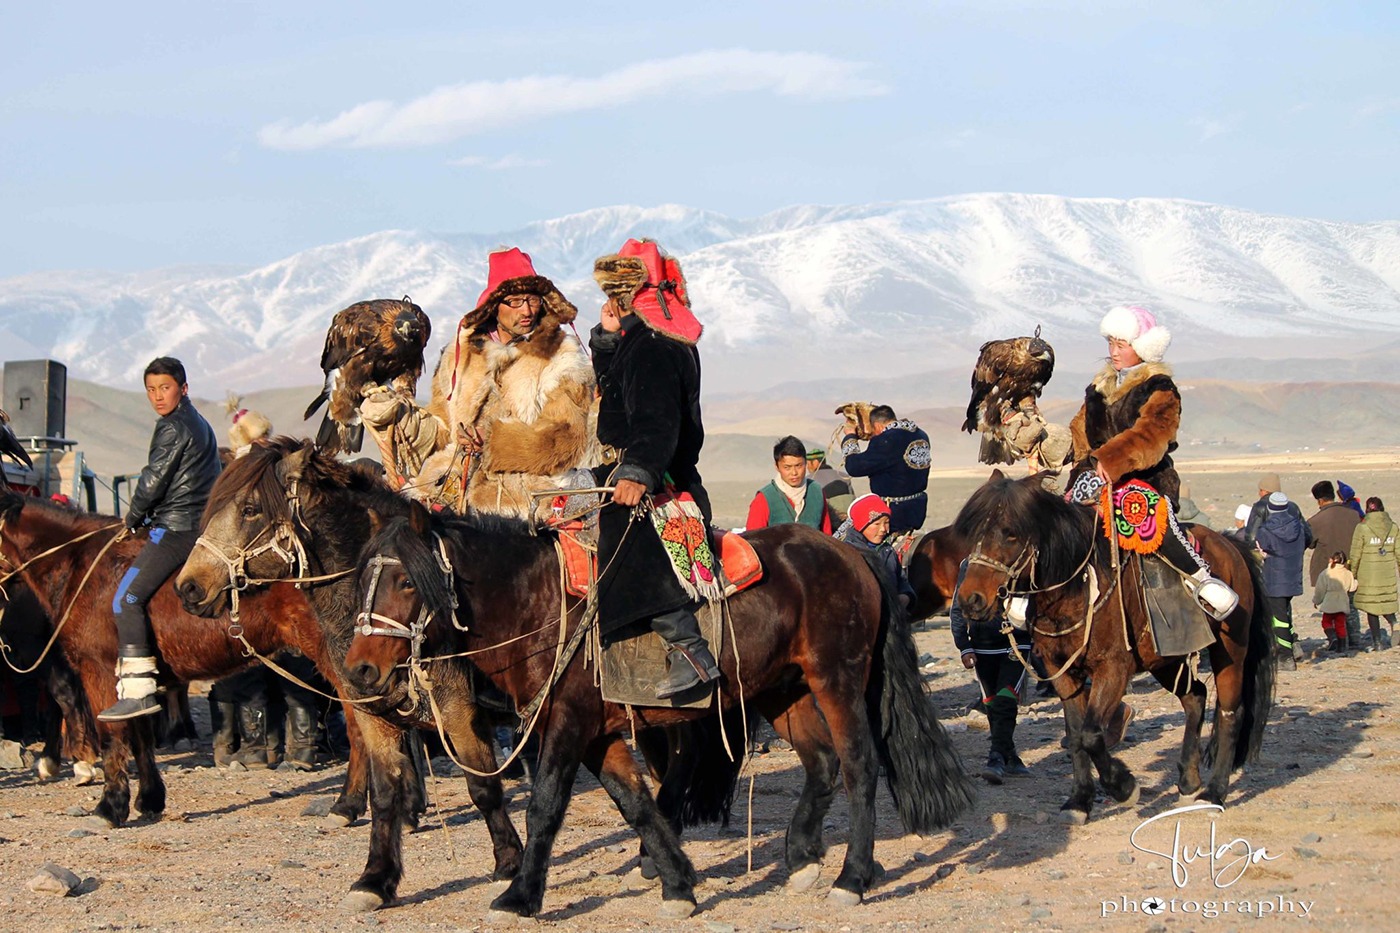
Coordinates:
[933,570]
[189,648]
[285,489]
[822,652]
[1027,540]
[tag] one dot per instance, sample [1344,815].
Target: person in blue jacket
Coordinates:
[1283,537]
[896,461]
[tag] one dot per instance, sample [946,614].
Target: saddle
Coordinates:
[738,559]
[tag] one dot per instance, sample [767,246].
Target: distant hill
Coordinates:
[860,291]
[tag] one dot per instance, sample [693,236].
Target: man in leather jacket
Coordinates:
[170,496]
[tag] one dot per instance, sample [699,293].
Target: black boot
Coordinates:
[995,769]
[223,713]
[252,723]
[1015,767]
[301,737]
[689,662]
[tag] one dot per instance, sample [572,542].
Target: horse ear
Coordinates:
[294,465]
[996,477]
[376,522]
[418,518]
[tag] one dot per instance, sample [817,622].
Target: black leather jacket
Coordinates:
[180,471]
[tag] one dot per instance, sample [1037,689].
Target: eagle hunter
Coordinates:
[1009,375]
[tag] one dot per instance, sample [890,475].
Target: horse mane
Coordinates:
[12,503]
[1060,531]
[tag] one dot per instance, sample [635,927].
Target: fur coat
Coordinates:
[530,400]
[1130,427]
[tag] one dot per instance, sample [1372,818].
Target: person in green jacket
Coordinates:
[791,496]
[1375,561]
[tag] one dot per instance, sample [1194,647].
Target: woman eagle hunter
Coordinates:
[510,404]
[1126,430]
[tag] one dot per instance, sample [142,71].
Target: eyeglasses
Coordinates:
[516,302]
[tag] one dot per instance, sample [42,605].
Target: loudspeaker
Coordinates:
[36,397]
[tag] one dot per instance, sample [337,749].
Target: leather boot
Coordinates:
[1213,594]
[136,685]
[301,737]
[252,723]
[225,731]
[689,661]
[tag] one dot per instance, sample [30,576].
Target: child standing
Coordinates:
[1331,595]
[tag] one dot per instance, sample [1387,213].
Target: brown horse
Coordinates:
[1029,541]
[933,570]
[189,648]
[826,657]
[286,489]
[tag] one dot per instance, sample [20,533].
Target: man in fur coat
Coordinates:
[649,414]
[509,413]
[1127,430]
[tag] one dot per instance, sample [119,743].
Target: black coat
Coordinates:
[649,411]
[180,470]
[897,461]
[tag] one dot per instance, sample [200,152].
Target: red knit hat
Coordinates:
[645,281]
[866,509]
[510,272]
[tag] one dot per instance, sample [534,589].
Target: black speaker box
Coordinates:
[36,397]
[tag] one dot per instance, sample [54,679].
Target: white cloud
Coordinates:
[489,164]
[1211,127]
[479,107]
[1377,107]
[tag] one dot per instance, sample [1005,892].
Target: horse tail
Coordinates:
[714,776]
[924,774]
[1259,668]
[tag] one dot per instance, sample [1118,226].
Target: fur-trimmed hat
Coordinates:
[646,282]
[248,425]
[511,272]
[1139,327]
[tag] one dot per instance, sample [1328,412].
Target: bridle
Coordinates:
[366,619]
[285,541]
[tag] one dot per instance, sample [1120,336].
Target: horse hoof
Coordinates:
[84,774]
[498,886]
[335,821]
[843,897]
[361,902]
[677,910]
[98,824]
[647,866]
[1132,799]
[47,768]
[1074,817]
[504,918]
[804,878]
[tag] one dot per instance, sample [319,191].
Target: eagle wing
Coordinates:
[10,445]
[1007,374]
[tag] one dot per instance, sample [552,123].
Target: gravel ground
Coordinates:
[245,850]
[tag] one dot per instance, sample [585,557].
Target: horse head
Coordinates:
[252,529]
[1023,537]
[407,591]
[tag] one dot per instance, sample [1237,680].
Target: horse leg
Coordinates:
[1105,696]
[1075,701]
[669,759]
[799,721]
[1192,694]
[51,726]
[470,737]
[82,743]
[115,805]
[150,799]
[350,805]
[560,754]
[843,705]
[1225,735]
[611,761]
[378,884]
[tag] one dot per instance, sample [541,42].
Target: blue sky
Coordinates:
[141,135]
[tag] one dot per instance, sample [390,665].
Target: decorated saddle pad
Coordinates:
[681,526]
[630,668]
[1137,514]
[738,559]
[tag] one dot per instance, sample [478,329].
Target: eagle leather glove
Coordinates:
[381,406]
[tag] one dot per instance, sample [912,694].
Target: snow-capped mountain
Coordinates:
[803,289]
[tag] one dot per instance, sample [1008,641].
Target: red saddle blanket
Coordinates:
[742,568]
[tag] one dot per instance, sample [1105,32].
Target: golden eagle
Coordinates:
[378,341]
[1007,380]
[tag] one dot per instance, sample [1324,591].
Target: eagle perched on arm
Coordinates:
[378,341]
[1007,380]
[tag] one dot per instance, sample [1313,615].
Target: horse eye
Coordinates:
[406,585]
[251,511]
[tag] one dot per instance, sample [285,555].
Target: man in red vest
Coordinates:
[791,496]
